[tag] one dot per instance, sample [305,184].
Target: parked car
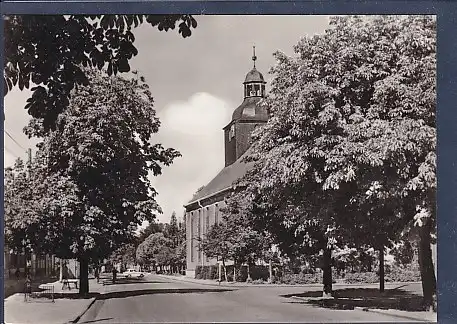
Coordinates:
[132,273]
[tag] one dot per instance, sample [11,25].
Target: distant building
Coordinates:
[202,211]
[38,265]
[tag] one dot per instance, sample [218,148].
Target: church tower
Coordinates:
[246,117]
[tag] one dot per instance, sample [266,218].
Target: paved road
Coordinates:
[158,299]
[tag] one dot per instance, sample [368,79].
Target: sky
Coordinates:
[197,84]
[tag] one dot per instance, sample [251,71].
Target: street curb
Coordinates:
[371,310]
[84,312]
[393,315]
[266,285]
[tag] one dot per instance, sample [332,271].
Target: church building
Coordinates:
[203,210]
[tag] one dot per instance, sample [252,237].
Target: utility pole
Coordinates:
[29,167]
[29,153]
[29,162]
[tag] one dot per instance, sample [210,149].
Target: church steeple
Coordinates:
[254,84]
[248,115]
[254,58]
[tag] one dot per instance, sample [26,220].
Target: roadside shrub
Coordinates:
[300,278]
[399,274]
[258,281]
[259,272]
[206,272]
[198,270]
[241,273]
[213,273]
[361,277]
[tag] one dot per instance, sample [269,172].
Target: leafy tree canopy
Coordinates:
[155,249]
[351,141]
[89,180]
[47,53]
[348,156]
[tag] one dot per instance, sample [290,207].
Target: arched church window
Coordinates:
[263,90]
[248,90]
[257,89]
[207,219]
[231,132]
[199,224]
[191,237]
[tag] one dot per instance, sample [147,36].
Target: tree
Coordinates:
[153,227]
[19,209]
[156,250]
[16,193]
[403,253]
[249,244]
[125,254]
[173,229]
[174,250]
[218,243]
[384,102]
[181,248]
[90,176]
[300,219]
[348,154]
[47,53]
[181,255]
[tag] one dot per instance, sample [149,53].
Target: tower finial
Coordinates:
[254,58]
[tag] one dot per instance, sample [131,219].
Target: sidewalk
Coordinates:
[265,285]
[414,316]
[62,310]
[12,285]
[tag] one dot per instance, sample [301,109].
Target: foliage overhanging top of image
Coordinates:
[348,157]
[50,51]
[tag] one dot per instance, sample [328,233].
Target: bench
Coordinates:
[67,283]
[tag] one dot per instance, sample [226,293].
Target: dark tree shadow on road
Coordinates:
[141,292]
[131,281]
[363,297]
[132,293]
[72,295]
[97,321]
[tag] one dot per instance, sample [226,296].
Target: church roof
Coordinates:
[240,113]
[224,179]
[254,76]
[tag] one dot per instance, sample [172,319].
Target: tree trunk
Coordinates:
[249,271]
[327,279]
[83,275]
[61,270]
[219,272]
[234,272]
[225,270]
[381,269]
[270,272]
[426,267]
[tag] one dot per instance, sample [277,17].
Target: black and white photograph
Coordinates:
[220,168]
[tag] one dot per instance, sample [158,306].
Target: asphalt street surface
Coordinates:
[158,299]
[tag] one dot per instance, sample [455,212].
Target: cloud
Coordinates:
[194,128]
